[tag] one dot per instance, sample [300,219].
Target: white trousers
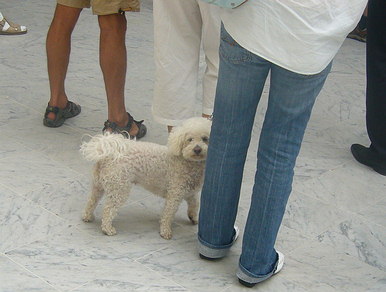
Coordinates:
[180,26]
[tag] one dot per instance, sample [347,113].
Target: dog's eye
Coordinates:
[205,139]
[190,139]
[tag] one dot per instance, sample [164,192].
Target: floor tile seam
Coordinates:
[138,201]
[328,228]
[369,207]
[159,273]
[348,211]
[38,112]
[41,238]
[47,157]
[151,252]
[21,104]
[305,245]
[318,178]
[29,271]
[82,285]
[28,149]
[61,163]
[323,173]
[158,214]
[24,196]
[187,227]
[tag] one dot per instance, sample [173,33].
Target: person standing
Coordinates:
[180,28]
[295,43]
[374,156]
[113,62]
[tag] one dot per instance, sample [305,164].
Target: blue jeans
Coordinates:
[291,97]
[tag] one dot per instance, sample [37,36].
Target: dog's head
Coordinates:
[190,140]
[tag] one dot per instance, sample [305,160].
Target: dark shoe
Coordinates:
[369,157]
[207,258]
[358,34]
[71,110]
[114,128]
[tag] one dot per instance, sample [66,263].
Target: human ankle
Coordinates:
[62,103]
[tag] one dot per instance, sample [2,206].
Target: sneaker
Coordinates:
[358,34]
[279,266]
[234,238]
[280,262]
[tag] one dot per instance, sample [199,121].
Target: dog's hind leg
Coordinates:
[95,196]
[193,205]
[171,206]
[115,198]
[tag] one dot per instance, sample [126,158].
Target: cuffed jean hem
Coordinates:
[246,276]
[211,251]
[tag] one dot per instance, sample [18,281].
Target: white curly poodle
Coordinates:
[174,172]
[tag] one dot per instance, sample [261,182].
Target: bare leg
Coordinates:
[58,46]
[113,62]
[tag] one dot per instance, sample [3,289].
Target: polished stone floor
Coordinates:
[333,233]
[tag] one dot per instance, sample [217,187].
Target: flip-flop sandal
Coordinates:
[10,28]
[71,110]
[114,128]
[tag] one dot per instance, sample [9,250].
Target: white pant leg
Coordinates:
[210,41]
[178,27]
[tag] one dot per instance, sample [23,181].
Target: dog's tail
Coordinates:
[111,146]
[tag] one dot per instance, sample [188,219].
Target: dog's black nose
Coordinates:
[197,150]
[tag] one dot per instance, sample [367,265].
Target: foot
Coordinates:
[358,34]
[369,157]
[54,116]
[193,219]
[279,266]
[132,129]
[88,217]
[166,233]
[9,28]
[109,230]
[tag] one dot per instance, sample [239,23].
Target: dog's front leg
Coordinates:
[193,206]
[172,203]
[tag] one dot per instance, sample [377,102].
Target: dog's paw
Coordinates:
[109,231]
[194,220]
[166,234]
[87,217]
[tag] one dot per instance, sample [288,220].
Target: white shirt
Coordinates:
[299,35]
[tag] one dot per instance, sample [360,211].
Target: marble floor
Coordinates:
[333,233]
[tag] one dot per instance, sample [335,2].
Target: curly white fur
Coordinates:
[174,172]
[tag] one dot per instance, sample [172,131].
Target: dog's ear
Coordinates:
[176,141]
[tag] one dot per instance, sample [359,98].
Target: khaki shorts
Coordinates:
[103,7]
